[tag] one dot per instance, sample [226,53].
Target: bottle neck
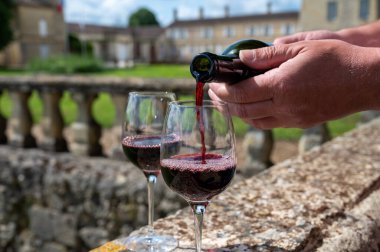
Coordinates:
[205,67]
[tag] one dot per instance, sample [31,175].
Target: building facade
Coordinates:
[119,46]
[337,14]
[185,38]
[39,31]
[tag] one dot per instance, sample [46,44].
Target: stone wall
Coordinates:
[60,202]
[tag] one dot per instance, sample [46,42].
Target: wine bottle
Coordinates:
[227,67]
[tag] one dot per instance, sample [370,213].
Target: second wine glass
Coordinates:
[141,138]
[201,162]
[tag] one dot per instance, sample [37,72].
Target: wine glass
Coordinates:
[198,159]
[141,138]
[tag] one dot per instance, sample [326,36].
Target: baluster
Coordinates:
[3,126]
[21,123]
[120,102]
[86,131]
[52,122]
[368,116]
[314,136]
[257,146]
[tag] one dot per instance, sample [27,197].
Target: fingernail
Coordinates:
[247,55]
[212,85]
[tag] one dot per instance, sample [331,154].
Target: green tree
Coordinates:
[142,17]
[6,34]
[78,47]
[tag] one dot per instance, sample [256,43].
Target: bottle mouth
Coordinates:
[202,66]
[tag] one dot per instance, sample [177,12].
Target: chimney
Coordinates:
[201,16]
[226,11]
[269,7]
[175,14]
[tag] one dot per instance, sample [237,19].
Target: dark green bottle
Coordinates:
[227,67]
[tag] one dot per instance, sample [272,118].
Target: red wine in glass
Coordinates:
[144,152]
[196,181]
[141,140]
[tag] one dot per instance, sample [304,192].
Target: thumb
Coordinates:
[268,57]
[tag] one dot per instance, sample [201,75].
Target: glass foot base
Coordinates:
[156,243]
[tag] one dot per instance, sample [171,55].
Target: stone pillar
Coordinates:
[3,126]
[367,116]
[21,122]
[314,136]
[86,131]
[257,146]
[120,101]
[52,122]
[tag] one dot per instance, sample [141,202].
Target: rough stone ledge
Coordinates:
[325,200]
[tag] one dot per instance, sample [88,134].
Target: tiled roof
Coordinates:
[140,32]
[90,28]
[231,19]
[36,2]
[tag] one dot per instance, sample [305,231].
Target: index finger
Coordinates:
[254,89]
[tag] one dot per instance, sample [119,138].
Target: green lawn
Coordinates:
[143,71]
[151,71]
[104,110]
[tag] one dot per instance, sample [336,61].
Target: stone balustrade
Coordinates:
[86,132]
[84,90]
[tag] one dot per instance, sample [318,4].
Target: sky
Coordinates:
[116,12]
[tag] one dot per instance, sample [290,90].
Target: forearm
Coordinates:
[366,35]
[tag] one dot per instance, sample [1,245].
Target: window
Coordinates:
[219,49]
[364,9]
[287,29]
[43,28]
[332,10]
[268,30]
[229,32]
[251,31]
[183,34]
[207,32]
[44,51]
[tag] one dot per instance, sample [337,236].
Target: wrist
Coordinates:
[369,77]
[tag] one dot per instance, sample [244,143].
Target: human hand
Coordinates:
[309,82]
[309,35]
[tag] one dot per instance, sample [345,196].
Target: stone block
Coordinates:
[53,247]
[93,237]
[65,229]
[7,234]
[48,225]
[42,222]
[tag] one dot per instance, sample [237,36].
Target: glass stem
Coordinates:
[198,210]
[152,179]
